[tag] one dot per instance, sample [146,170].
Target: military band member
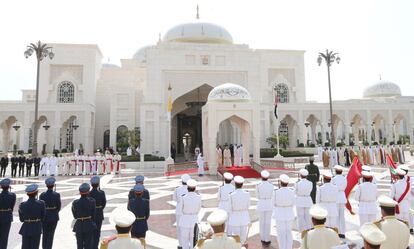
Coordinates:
[14,162]
[190,206]
[108,163]
[29,163]
[313,176]
[283,202]
[264,192]
[79,165]
[7,202]
[139,180]
[100,202]
[123,222]
[83,210]
[219,239]
[31,213]
[320,236]
[340,182]
[239,218]
[303,189]
[327,196]
[224,193]
[101,163]
[72,165]
[400,192]
[4,162]
[396,231]
[140,207]
[22,163]
[366,195]
[179,192]
[61,170]
[372,235]
[36,164]
[53,204]
[94,164]
[116,162]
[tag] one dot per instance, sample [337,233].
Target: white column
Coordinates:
[212,158]
[369,133]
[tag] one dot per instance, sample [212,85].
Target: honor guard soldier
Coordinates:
[83,210]
[264,193]
[283,202]
[100,201]
[53,205]
[36,164]
[340,182]
[372,235]
[140,207]
[139,180]
[179,192]
[327,196]
[313,176]
[14,163]
[219,239]
[29,164]
[239,219]
[4,162]
[31,213]
[7,202]
[396,231]
[320,236]
[22,162]
[303,190]
[224,192]
[123,222]
[190,206]
[366,195]
[400,192]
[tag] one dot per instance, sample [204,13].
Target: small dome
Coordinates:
[141,54]
[109,65]
[382,89]
[229,92]
[199,32]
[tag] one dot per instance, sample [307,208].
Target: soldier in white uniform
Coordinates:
[224,193]
[94,164]
[372,235]
[400,192]
[320,236]
[178,193]
[123,219]
[283,202]
[117,162]
[219,239]
[340,181]
[396,231]
[190,207]
[264,208]
[303,189]
[327,196]
[108,163]
[366,195]
[239,219]
[101,163]
[53,162]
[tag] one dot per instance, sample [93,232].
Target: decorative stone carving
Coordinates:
[229,92]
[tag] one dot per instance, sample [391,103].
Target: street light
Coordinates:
[16,126]
[42,51]
[329,57]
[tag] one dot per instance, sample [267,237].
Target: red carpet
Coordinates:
[245,171]
[182,172]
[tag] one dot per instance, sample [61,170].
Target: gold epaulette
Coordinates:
[236,238]
[378,223]
[405,222]
[305,232]
[105,241]
[200,243]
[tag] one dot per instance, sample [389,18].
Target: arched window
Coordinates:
[282,91]
[66,92]
[106,138]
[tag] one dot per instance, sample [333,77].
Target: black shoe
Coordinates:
[342,236]
[411,231]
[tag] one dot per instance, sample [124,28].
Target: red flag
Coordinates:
[392,167]
[352,179]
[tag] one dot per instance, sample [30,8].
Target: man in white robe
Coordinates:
[44,165]
[227,157]
[200,164]
[53,163]
[237,156]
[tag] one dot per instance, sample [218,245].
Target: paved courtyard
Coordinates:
[162,232]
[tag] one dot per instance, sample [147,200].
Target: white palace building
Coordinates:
[86,102]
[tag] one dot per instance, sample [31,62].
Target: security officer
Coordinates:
[340,182]
[139,180]
[36,163]
[4,162]
[264,193]
[53,205]
[100,200]
[123,222]
[140,207]
[219,239]
[327,196]
[396,231]
[313,176]
[22,163]
[29,163]
[7,202]
[239,218]
[14,163]
[320,236]
[372,235]
[83,210]
[366,194]
[31,213]
[303,189]
[179,192]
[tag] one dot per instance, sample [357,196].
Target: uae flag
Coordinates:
[276,101]
[392,167]
[352,179]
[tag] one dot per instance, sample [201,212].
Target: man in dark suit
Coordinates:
[36,163]
[83,210]
[14,163]
[7,202]
[29,163]
[100,200]
[139,180]
[140,207]
[53,205]
[22,162]
[31,213]
[313,176]
[4,162]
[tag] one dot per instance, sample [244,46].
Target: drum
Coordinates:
[202,230]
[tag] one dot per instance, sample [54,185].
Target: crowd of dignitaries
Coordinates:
[54,165]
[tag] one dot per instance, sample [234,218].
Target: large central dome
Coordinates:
[382,89]
[198,32]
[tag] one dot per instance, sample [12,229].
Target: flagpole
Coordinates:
[169,160]
[278,156]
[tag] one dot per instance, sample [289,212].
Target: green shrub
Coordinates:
[270,153]
[312,145]
[301,145]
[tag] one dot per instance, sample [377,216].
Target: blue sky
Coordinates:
[372,37]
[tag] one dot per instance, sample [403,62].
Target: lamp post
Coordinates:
[169,160]
[307,133]
[329,57]
[42,51]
